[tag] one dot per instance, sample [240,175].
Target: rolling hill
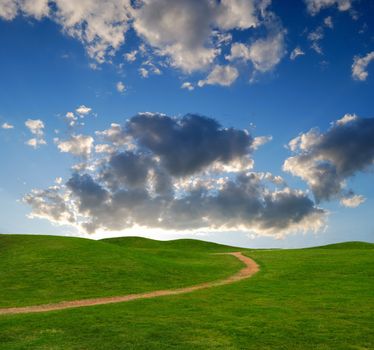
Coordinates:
[320,298]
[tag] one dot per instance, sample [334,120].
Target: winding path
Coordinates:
[247,271]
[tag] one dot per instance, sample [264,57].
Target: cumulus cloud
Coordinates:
[220,75]
[186,173]
[352,200]
[189,43]
[78,145]
[83,110]
[187,85]
[315,6]
[359,66]
[36,127]
[71,119]
[192,43]
[327,160]
[7,126]
[120,86]
[131,56]
[264,54]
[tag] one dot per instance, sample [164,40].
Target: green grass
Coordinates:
[44,269]
[301,299]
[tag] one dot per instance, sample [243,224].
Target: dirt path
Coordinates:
[250,269]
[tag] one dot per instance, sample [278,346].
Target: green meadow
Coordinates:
[316,298]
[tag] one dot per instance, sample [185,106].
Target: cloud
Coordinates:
[315,6]
[120,87]
[143,72]
[188,144]
[264,54]
[36,127]
[195,42]
[328,22]
[352,200]
[327,160]
[189,43]
[9,9]
[187,85]
[83,110]
[220,75]
[51,204]
[71,119]
[78,145]
[359,66]
[131,56]
[7,126]
[296,52]
[186,173]
[315,37]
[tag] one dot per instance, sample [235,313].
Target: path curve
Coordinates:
[247,271]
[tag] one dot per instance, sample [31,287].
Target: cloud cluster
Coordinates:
[187,173]
[327,160]
[188,35]
[36,127]
[78,145]
[315,6]
[359,66]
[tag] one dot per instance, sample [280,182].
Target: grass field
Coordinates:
[318,298]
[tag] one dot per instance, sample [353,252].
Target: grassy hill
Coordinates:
[301,299]
[45,269]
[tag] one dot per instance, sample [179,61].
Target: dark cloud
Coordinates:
[164,174]
[188,144]
[326,160]
[91,195]
[126,169]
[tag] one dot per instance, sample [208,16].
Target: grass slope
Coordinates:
[301,299]
[44,269]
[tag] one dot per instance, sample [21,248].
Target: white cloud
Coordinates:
[71,118]
[328,22]
[314,6]
[347,118]
[264,54]
[260,140]
[187,85]
[352,201]
[36,127]
[188,35]
[83,110]
[104,148]
[131,56]
[143,72]
[120,86]
[7,126]
[188,43]
[220,75]
[36,8]
[315,37]
[296,52]
[78,145]
[359,66]
[36,142]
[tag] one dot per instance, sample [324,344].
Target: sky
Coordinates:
[244,122]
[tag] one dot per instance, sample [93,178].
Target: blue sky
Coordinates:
[50,66]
